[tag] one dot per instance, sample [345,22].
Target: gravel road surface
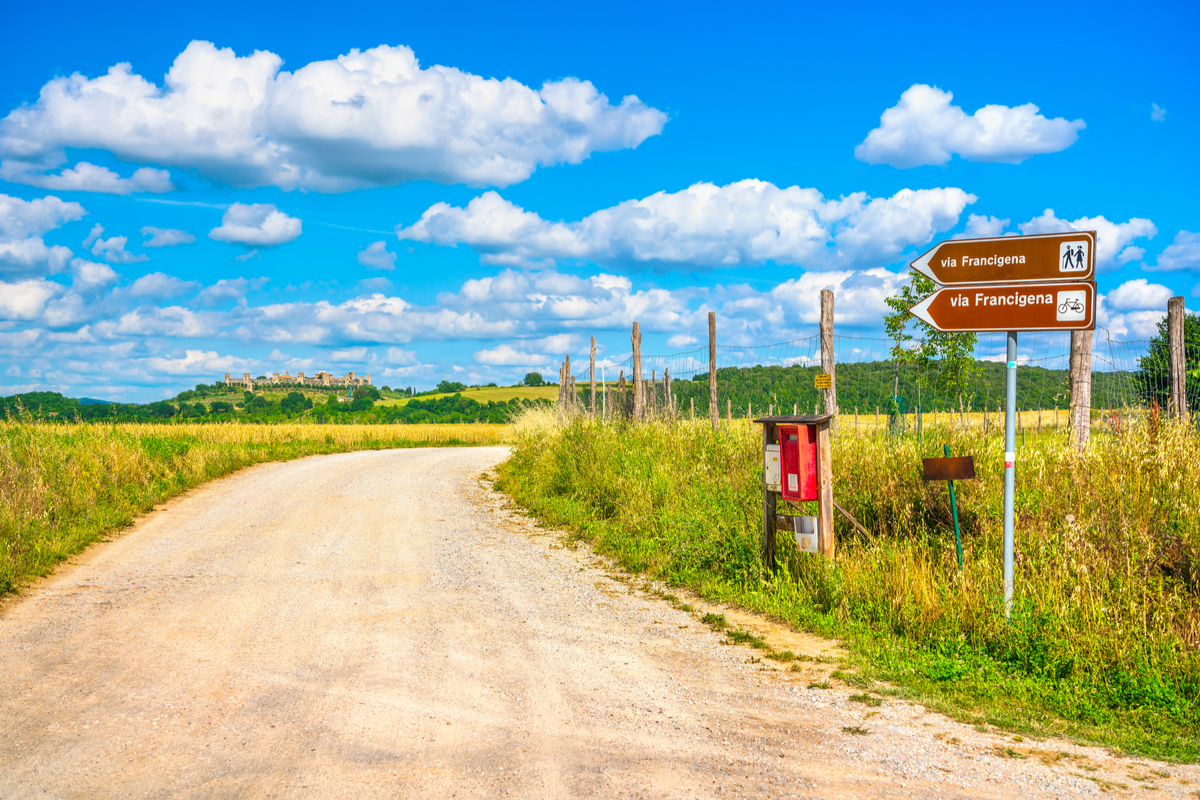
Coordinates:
[380,624]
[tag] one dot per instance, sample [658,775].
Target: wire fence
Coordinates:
[753,380]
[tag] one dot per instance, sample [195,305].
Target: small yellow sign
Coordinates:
[823,381]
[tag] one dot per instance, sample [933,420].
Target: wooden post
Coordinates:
[1177,405]
[569,384]
[592,375]
[638,397]
[714,414]
[620,404]
[1081,388]
[825,491]
[828,396]
[562,398]
[768,524]
[728,409]
[693,402]
[670,399]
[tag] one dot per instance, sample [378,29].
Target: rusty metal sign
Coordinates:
[823,381]
[1013,307]
[1012,259]
[955,468]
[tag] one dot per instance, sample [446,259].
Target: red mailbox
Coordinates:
[798,462]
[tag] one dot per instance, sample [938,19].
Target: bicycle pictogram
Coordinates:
[1071,305]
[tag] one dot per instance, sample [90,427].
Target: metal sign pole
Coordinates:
[1010,458]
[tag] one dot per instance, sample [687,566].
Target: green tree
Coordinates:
[954,353]
[1153,375]
[366,391]
[450,387]
[534,379]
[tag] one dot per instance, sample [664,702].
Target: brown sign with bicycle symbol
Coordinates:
[1013,307]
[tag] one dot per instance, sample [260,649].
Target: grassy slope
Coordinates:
[1104,644]
[63,487]
[486,393]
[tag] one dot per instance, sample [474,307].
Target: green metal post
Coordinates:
[954,511]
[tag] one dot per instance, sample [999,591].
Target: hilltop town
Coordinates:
[322,378]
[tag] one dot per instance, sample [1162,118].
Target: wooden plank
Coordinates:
[768,529]
[714,414]
[592,375]
[850,518]
[639,399]
[828,394]
[955,468]
[825,490]
[1177,404]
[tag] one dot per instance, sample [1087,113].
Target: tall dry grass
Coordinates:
[64,486]
[1105,634]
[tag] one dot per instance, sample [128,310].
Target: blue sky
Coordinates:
[477,190]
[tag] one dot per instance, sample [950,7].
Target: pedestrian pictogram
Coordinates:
[1011,259]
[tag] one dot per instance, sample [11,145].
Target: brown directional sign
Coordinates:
[1012,259]
[1012,307]
[953,468]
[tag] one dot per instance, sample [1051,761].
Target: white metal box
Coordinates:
[806,534]
[771,474]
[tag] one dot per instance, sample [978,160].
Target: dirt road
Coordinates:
[376,625]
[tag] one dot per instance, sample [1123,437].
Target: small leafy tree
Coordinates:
[954,352]
[534,379]
[1153,375]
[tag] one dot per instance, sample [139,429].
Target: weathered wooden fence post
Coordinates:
[714,413]
[1178,404]
[592,374]
[768,523]
[1081,388]
[639,398]
[828,396]
[825,488]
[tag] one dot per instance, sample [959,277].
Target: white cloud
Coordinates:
[682,340]
[349,355]
[111,249]
[26,300]
[228,289]
[168,321]
[374,285]
[195,362]
[1139,294]
[22,224]
[1183,253]
[401,357]
[365,119]
[749,221]
[924,128]
[247,256]
[1112,238]
[86,177]
[259,224]
[376,256]
[506,355]
[20,219]
[1141,324]
[1157,113]
[159,285]
[982,227]
[165,237]
[90,275]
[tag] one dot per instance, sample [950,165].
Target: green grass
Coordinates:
[486,393]
[1104,642]
[63,487]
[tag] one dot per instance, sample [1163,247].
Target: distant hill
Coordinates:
[91,401]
